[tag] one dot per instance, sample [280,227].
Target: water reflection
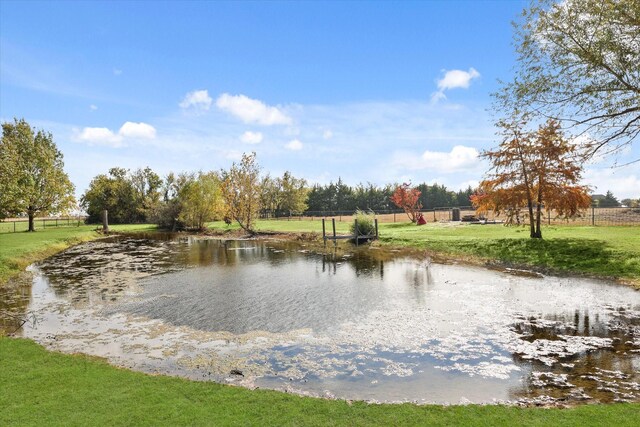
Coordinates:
[14,301]
[362,323]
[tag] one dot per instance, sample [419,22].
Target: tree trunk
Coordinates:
[31,225]
[532,225]
[538,233]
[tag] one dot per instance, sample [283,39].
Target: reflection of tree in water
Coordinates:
[14,301]
[105,270]
[605,374]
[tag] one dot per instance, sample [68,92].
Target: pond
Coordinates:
[358,323]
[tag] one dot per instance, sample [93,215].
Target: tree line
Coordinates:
[241,194]
[337,197]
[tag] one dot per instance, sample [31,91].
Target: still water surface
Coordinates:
[363,324]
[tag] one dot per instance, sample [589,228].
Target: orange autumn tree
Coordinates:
[408,199]
[532,172]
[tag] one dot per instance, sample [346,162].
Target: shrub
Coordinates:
[366,224]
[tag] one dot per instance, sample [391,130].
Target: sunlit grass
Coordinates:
[45,388]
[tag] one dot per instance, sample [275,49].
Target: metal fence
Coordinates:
[591,216]
[14,225]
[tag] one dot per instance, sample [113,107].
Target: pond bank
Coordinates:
[366,324]
[57,389]
[399,416]
[610,253]
[18,250]
[599,252]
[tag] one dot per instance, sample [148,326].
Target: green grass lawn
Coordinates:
[17,250]
[608,251]
[44,388]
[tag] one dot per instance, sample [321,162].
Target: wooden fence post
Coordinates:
[105,221]
[324,233]
[333,223]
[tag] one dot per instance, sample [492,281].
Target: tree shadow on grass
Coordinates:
[580,255]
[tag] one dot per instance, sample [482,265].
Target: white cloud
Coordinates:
[457,79]
[198,100]
[622,182]
[251,137]
[105,136]
[327,134]
[454,79]
[93,107]
[252,110]
[137,130]
[459,158]
[294,145]
[100,136]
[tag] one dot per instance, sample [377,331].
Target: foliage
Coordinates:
[241,191]
[631,203]
[532,171]
[579,62]
[609,201]
[146,192]
[408,199]
[32,174]
[200,200]
[339,197]
[293,193]
[129,197]
[332,197]
[167,212]
[284,195]
[365,222]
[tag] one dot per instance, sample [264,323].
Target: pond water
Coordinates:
[363,323]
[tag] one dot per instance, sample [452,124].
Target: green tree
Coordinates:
[32,176]
[146,186]
[200,200]
[609,201]
[579,62]
[241,191]
[129,197]
[166,214]
[113,192]
[293,194]
[269,194]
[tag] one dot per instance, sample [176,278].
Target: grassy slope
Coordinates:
[601,251]
[44,388]
[17,250]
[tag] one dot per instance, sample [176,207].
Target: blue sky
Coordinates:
[368,91]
